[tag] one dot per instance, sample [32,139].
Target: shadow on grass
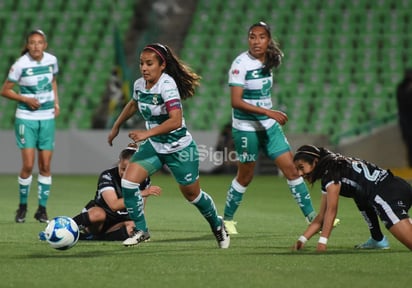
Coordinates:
[71,254]
[332,252]
[187,239]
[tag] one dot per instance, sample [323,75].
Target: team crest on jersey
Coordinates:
[154,100]
[266,87]
[235,72]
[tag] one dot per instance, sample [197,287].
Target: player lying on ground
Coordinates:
[377,192]
[105,217]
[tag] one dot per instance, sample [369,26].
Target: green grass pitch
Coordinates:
[183,251]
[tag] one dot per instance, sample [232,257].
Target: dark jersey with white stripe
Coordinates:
[359,179]
[111,180]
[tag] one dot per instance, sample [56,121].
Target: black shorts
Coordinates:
[393,201]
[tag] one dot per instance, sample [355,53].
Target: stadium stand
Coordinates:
[80,34]
[343,60]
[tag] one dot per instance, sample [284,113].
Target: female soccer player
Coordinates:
[38,104]
[106,217]
[157,95]
[372,188]
[255,125]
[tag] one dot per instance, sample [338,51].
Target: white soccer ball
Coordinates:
[62,233]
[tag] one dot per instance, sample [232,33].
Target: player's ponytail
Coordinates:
[186,79]
[274,54]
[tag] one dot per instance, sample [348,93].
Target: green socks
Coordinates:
[233,199]
[133,201]
[24,189]
[44,183]
[204,203]
[301,194]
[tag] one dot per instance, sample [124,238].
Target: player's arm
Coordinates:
[332,199]
[172,123]
[111,199]
[8,92]
[236,93]
[56,97]
[128,111]
[314,226]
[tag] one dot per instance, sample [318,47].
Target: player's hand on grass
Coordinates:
[321,247]
[298,246]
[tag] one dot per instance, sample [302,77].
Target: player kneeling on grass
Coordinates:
[105,217]
[376,192]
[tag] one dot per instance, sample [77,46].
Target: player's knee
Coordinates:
[97,214]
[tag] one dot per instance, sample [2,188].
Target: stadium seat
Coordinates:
[329,44]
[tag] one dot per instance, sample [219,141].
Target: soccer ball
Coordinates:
[62,233]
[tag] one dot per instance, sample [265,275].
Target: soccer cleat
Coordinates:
[42,236]
[41,215]
[146,236]
[222,236]
[373,244]
[231,227]
[137,237]
[21,214]
[336,222]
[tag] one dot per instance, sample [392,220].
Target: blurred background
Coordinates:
[343,61]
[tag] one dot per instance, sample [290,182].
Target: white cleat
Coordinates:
[222,236]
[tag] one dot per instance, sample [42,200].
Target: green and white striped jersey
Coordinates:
[152,106]
[246,71]
[35,80]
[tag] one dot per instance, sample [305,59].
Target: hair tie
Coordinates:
[308,153]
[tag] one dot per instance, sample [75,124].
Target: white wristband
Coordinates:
[303,239]
[323,240]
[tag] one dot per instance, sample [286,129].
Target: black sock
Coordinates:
[117,235]
[41,208]
[82,220]
[373,223]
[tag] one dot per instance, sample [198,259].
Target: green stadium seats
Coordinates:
[329,45]
[77,34]
[53,6]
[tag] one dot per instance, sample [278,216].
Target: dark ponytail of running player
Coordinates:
[186,80]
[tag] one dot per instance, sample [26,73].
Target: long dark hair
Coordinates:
[186,79]
[327,161]
[274,54]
